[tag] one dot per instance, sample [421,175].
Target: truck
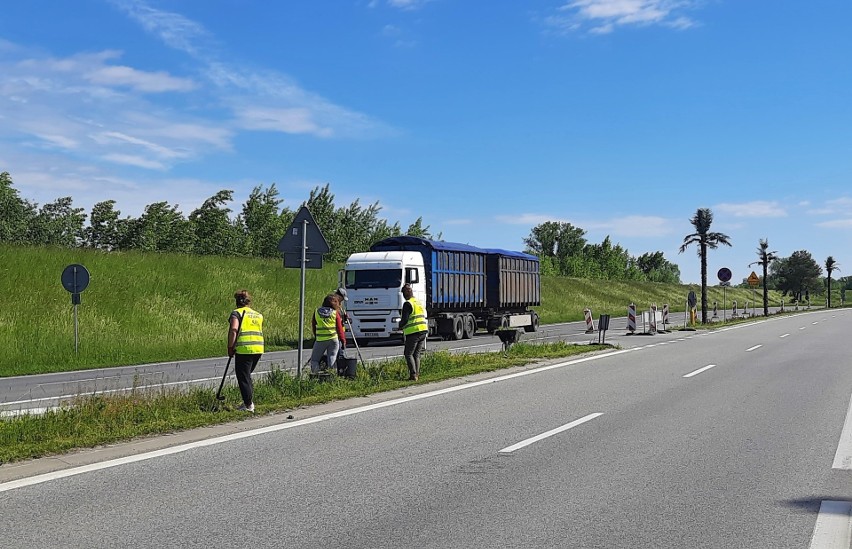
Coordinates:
[463,288]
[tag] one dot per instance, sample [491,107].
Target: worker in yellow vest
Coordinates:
[245,345]
[329,335]
[415,328]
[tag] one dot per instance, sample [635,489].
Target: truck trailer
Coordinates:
[463,288]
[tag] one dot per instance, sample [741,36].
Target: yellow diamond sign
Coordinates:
[753,279]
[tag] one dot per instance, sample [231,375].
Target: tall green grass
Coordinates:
[149,307]
[139,307]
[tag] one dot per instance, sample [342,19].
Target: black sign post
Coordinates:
[303,235]
[603,326]
[725,275]
[75,279]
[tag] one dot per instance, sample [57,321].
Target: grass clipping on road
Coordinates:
[93,420]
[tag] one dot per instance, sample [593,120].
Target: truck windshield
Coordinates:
[376,278]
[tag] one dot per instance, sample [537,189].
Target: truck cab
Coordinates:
[373,283]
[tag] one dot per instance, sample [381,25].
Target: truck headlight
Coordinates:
[396,319]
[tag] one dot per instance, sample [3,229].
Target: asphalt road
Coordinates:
[37,392]
[736,438]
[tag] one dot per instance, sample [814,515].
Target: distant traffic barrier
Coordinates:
[653,318]
[665,317]
[631,318]
[590,324]
[734,310]
[715,309]
[782,305]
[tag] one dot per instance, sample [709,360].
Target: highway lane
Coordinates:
[40,391]
[670,453]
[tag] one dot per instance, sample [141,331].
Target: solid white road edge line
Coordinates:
[698,371]
[753,348]
[833,529]
[47,477]
[843,456]
[527,442]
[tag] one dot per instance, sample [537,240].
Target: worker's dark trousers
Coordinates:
[413,349]
[244,365]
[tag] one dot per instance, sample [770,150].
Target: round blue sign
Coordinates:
[724,274]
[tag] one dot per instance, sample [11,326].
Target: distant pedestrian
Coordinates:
[245,344]
[329,334]
[415,328]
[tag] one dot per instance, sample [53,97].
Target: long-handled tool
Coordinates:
[219,395]
[355,341]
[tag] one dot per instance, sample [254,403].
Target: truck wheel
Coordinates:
[534,327]
[469,327]
[458,329]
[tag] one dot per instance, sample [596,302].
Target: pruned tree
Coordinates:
[706,240]
[830,266]
[765,258]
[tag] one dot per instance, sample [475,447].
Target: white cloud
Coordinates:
[407,4]
[173,29]
[836,224]
[840,205]
[634,226]
[527,219]
[458,222]
[139,80]
[133,160]
[87,105]
[277,102]
[604,16]
[757,208]
[282,120]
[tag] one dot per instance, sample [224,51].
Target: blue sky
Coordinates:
[486,118]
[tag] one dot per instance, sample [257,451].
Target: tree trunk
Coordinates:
[703,283]
[829,290]
[765,291]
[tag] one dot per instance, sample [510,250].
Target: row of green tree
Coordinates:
[564,250]
[796,275]
[208,230]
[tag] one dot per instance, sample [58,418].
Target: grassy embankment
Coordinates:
[142,308]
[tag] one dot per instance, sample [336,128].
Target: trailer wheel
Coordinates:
[534,327]
[469,327]
[458,329]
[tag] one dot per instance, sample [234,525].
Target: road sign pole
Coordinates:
[724,304]
[302,299]
[76,331]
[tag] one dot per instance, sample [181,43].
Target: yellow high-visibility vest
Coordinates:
[326,327]
[417,320]
[250,338]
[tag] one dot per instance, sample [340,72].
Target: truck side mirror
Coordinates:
[411,276]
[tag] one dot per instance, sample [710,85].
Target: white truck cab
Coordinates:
[373,282]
